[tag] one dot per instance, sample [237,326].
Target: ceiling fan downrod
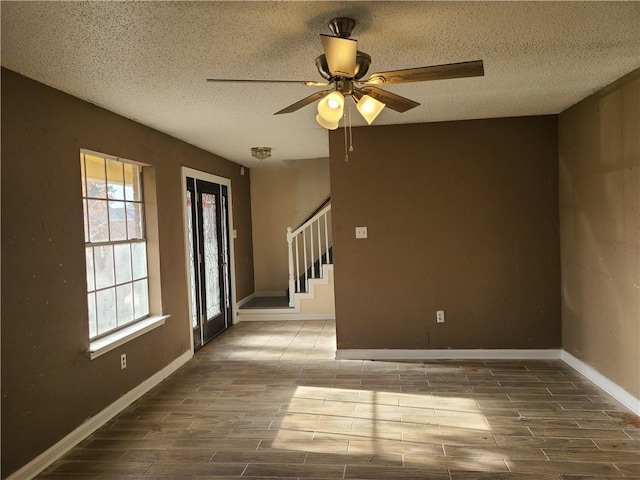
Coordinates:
[344,86]
[342,26]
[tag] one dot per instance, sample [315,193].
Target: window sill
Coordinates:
[110,342]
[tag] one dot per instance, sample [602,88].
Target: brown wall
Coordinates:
[49,385]
[461,216]
[282,197]
[600,231]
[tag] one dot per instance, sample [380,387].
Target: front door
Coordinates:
[208,220]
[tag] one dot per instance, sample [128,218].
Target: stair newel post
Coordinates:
[292,278]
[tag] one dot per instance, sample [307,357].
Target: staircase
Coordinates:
[310,295]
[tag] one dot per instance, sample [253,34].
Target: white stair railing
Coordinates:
[309,244]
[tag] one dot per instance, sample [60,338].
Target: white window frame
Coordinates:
[102,343]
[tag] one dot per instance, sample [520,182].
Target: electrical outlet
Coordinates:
[440,316]
[361,232]
[123,361]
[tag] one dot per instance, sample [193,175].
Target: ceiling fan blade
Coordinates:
[341,54]
[391,100]
[304,102]
[309,83]
[423,74]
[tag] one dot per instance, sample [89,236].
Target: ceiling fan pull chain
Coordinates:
[346,151]
[350,132]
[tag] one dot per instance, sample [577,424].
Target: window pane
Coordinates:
[103,258]
[93,328]
[134,220]
[106,308]
[117,223]
[84,176]
[85,219]
[139,255]
[96,182]
[117,284]
[98,221]
[132,182]
[115,180]
[124,296]
[122,255]
[140,298]
[89,259]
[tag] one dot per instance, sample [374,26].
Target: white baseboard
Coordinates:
[247,299]
[42,461]
[45,459]
[448,354]
[236,316]
[616,391]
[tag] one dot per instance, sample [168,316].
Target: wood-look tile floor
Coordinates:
[268,401]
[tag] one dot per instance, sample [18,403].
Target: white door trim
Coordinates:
[186,172]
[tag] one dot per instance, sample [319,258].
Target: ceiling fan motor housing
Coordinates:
[363,61]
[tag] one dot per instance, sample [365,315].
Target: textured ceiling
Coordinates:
[148,61]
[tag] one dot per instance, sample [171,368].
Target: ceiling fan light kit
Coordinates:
[325,124]
[331,107]
[343,66]
[369,108]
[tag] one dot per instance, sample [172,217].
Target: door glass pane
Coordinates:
[122,254]
[124,294]
[225,253]
[140,298]
[115,180]
[117,221]
[93,327]
[139,256]
[192,272]
[106,308]
[103,261]
[88,252]
[211,260]
[98,221]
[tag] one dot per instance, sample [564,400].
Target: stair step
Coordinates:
[266,308]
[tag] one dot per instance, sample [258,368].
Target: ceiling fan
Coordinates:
[343,67]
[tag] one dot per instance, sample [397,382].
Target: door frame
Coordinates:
[207,177]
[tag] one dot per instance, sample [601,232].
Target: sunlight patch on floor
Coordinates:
[371,419]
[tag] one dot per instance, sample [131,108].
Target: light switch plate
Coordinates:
[361,232]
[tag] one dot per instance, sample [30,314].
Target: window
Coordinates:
[115,243]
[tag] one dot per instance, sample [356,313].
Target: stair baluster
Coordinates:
[299,283]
